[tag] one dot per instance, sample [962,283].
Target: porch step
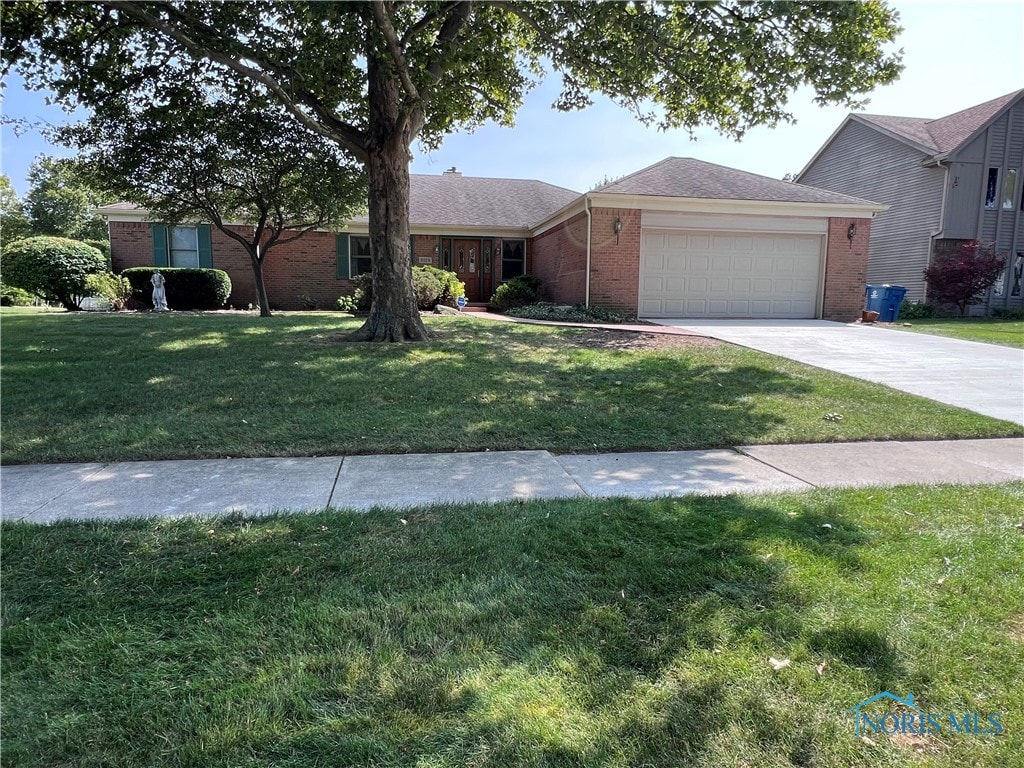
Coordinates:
[475,307]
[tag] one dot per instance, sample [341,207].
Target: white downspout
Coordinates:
[586,207]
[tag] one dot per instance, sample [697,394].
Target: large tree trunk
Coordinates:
[394,315]
[261,287]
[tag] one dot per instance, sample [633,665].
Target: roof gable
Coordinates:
[690,178]
[944,134]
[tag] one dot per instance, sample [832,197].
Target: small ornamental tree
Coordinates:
[53,268]
[961,276]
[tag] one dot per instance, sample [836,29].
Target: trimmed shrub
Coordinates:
[915,311]
[114,288]
[431,286]
[103,246]
[426,287]
[186,288]
[15,297]
[517,292]
[53,268]
[451,287]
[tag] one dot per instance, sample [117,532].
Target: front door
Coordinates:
[467,263]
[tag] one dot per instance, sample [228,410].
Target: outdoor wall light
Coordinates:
[852,231]
[618,228]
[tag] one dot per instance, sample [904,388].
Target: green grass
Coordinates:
[87,387]
[572,633]
[988,329]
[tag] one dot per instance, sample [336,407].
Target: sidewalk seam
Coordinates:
[334,485]
[61,495]
[743,453]
[569,474]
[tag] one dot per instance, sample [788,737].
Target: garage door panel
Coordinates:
[719,274]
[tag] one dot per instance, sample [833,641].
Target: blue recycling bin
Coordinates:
[885,300]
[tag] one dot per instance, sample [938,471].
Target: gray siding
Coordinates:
[863,162]
[1000,145]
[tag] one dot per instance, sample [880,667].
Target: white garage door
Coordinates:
[723,274]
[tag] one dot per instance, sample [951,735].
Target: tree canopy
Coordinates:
[14,222]
[375,76]
[244,165]
[61,200]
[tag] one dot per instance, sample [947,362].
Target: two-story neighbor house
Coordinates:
[945,181]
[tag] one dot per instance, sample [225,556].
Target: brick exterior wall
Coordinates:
[846,269]
[615,268]
[131,244]
[298,275]
[560,260]
[423,248]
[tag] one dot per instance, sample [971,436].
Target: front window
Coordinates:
[513,258]
[992,188]
[359,255]
[1009,189]
[184,246]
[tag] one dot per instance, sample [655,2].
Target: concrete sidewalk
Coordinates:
[167,489]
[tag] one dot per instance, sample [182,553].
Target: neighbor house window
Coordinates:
[513,258]
[1009,189]
[359,254]
[184,246]
[992,188]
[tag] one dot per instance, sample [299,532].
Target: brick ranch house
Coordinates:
[681,238]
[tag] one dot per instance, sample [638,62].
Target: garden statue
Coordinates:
[159,293]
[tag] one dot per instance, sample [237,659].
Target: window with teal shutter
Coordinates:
[341,256]
[159,232]
[205,246]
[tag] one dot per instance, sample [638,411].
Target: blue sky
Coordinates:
[957,54]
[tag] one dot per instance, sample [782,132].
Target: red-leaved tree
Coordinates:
[961,276]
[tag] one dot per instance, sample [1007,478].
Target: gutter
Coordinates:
[586,292]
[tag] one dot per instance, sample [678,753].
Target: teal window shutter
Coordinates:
[341,256]
[205,239]
[159,245]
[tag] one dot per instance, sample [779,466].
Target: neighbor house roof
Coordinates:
[690,178]
[944,134]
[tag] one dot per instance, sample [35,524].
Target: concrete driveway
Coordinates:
[985,378]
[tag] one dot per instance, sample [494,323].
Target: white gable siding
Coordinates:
[863,162]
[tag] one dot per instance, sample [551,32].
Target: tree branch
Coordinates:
[380,15]
[348,136]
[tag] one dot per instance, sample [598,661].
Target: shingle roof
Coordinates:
[687,177]
[452,199]
[943,134]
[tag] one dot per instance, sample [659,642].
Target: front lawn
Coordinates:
[571,633]
[89,387]
[992,330]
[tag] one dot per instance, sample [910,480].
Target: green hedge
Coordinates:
[517,292]
[432,286]
[186,288]
[53,268]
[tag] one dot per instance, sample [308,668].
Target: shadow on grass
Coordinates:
[564,633]
[196,389]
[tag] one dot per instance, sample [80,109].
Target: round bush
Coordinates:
[426,287]
[53,268]
[15,297]
[517,292]
[186,288]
